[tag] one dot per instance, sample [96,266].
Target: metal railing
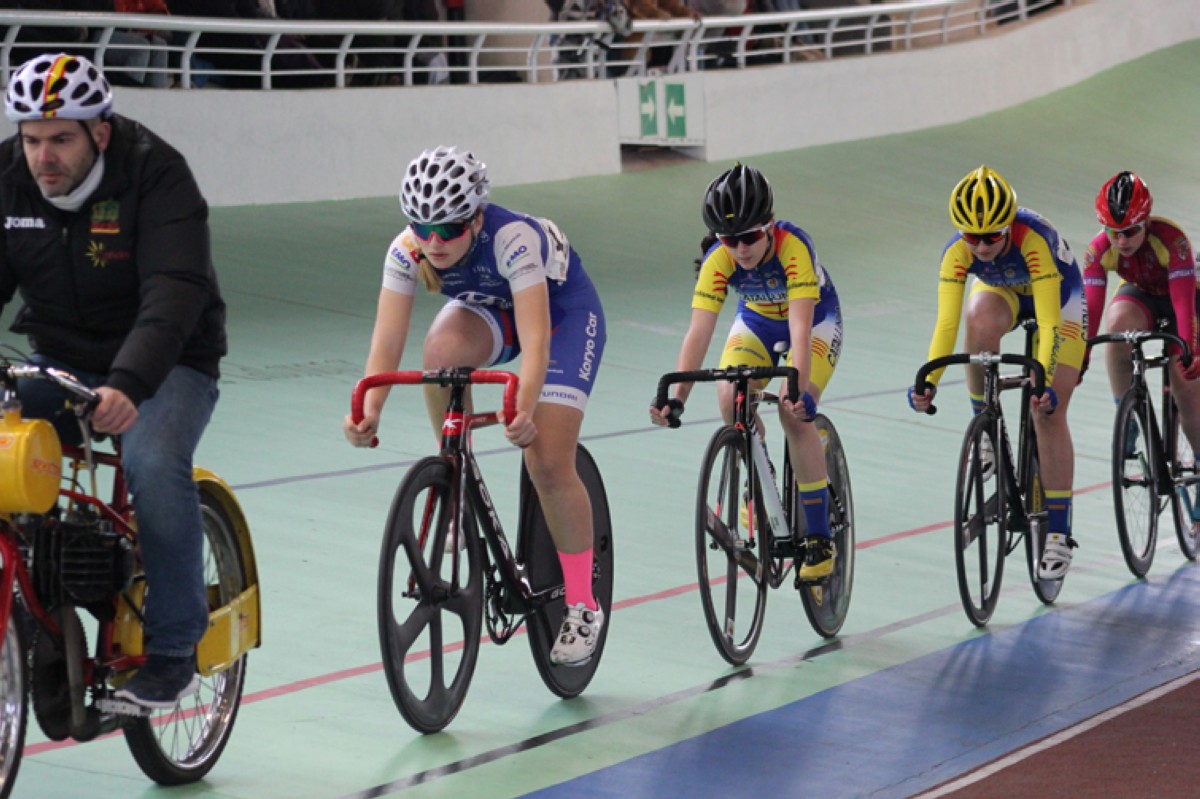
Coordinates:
[191,52]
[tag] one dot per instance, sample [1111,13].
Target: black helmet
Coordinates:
[737,201]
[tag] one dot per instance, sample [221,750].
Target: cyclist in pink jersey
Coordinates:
[1155,262]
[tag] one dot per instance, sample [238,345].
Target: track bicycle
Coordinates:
[66,551]
[446,567]
[998,501]
[1152,466]
[739,555]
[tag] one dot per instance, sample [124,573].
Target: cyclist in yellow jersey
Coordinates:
[1023,269]
[787,299]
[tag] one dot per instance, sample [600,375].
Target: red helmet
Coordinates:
[1125,200]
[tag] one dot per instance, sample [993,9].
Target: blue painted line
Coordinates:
[910,727]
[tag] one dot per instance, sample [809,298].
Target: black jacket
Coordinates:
[125,286]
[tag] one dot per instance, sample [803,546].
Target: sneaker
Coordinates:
[820,555]
[161,682]
[578,635]
[987,457]
[1056,557]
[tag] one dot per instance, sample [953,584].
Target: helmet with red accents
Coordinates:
[58,86]
[1124,201]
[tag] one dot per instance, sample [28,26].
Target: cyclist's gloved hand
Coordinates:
[667,415]
[921,402]
[1047,403]
[1192,370]
[808,403]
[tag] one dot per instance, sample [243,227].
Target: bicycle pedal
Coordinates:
[123,707]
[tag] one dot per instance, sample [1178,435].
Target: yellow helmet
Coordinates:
[982,202]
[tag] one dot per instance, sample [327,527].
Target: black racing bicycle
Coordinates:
[446,568]
[1153,466]
[748,535]
[999,500]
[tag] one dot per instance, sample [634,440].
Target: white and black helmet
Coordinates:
[443,185]
[58,86]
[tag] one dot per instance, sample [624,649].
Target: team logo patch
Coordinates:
[102,257]
[106,217]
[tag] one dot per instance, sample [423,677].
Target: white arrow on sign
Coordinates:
[674,111]
[647,108]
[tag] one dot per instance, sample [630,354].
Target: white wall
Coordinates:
[854,98]
[303,145]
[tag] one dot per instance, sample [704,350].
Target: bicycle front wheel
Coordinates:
[1135,487]
[980,523]
[14,703]
[181,745]
[430,598]
[536,549]
[731,547]
[827,603]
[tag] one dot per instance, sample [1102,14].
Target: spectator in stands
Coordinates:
[147,65]
[661,9]
[294,57]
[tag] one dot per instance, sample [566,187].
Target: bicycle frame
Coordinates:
[745,403]
[1162,440]
[1032,382]
[468,486]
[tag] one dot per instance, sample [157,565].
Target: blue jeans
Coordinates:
[156,454]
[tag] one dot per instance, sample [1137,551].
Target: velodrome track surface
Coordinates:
[910,696]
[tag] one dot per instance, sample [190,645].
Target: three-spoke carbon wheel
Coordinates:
[730,562]
[826,603]
[430,598]
[181,745]
[1135,486]
[536,549]
[980,523]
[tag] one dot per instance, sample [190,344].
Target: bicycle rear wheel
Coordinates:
[1135,488]
[181,745]
[430,604]
[535,548]
[1183,466]
[14,703]
[827,603]
[980,520]
[731,563]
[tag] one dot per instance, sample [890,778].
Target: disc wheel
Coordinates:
[1135,489]
[980,523]
[731,548]
[182,744]
[826,603]
[536,549]
[430,603]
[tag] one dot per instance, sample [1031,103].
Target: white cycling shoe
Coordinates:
[1056,557]
[576,642]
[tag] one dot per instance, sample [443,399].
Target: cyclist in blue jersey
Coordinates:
[515,286]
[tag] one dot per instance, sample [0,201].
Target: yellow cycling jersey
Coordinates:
[790,271]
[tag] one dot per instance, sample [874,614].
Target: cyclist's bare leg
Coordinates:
[457,337]
[989,317]
[1056,454]
[804,444]
[1124,314]
[551,463]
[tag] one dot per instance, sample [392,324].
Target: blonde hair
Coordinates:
[430,277]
